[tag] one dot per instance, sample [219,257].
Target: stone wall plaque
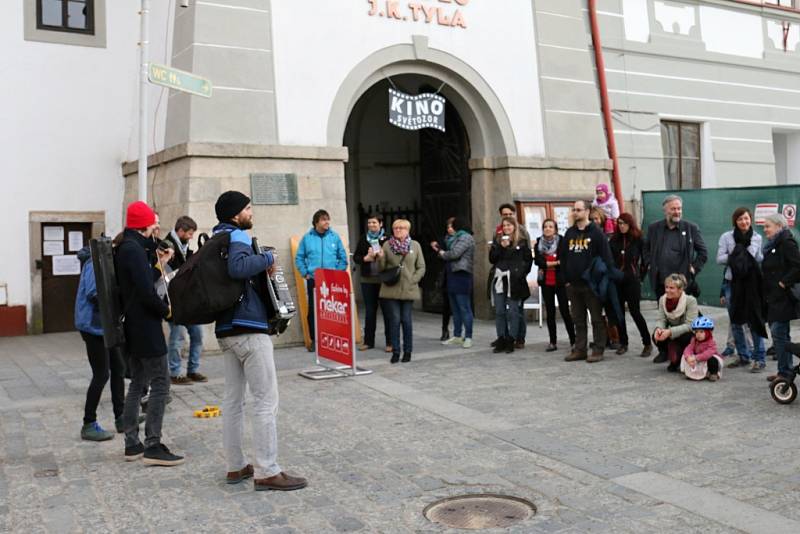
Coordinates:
[273,189]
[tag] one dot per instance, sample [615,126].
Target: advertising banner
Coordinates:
[334,316]
[416,112]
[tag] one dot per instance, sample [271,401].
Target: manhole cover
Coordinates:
[480,511]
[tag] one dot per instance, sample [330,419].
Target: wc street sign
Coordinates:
[416,112]
[179,80]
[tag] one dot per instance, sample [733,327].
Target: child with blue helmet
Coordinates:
[701,358]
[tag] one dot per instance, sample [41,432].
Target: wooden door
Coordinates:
[445,191]
[61,272]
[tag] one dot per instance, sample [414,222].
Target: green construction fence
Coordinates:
[711,210]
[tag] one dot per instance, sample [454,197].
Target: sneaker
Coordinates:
[738,362]
[454,341]
[727,352]
[574,356]
[160,455]
[94,432]
[197,377]
[756,367]
[622,349]
[551,348]
[181,380]
[467,344]
[595,357]
[134,453]
[234,477]
[280,482]
[120,426]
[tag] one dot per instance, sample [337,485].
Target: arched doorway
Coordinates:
[419,175]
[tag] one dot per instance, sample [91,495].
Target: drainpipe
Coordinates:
[609,124]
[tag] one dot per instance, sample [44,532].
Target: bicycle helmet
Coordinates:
[703,323]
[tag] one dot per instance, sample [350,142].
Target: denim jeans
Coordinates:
[462,314]
[400,313]
[523,324]
[152,372]
[372,300]
[582,300]
[249,363]
[506,316]
[780,337]
[746,351]
[176,339]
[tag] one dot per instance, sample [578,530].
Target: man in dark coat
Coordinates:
[143,312]
[179,238]
[673,246]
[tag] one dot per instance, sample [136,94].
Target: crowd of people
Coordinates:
[591,271]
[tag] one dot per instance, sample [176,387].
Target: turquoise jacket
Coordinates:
[320,251]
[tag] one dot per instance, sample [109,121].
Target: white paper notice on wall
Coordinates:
[67,265]
[54,233]
[75,241]
[53,248]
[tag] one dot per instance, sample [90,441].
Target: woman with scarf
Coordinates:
[405,254]
[740,252]
[676,311]
[366,255]
[780,271]
[511,256]
[551,282]
[459,256]
[604,199]
[626,248]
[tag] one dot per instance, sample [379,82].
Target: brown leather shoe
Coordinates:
[181,380]
[574,356]
[234,477]
[388,349]
[280,482]
[595,357]
[197,377]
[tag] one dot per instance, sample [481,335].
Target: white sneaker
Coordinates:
[467,343]
[453,341]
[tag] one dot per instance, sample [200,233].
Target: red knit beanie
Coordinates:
[139,215]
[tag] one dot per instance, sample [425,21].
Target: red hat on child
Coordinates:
[139,215]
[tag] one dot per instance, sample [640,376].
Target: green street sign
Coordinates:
[179,80]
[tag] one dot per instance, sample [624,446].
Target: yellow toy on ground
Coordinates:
[208,411]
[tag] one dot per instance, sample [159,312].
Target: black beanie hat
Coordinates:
[229,204]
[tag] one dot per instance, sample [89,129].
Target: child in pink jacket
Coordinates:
[700,358]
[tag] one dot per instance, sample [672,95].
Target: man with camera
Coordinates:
[242,332]
[143,311]
[178,240]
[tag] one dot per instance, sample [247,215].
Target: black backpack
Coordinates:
[202,287]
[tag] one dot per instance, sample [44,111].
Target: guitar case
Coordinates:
[108,295]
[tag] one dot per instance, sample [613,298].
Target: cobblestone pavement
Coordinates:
[617,446]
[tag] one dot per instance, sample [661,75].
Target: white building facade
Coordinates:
[300,98]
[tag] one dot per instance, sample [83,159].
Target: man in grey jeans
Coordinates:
[242,335]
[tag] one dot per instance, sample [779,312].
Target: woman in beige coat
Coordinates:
[676,311]
[406,254]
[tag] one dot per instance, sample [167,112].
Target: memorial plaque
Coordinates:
[273,189]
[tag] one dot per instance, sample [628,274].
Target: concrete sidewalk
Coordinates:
[619,446]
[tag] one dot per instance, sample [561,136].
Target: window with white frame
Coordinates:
[681,146]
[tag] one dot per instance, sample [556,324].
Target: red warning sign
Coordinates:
[790,212]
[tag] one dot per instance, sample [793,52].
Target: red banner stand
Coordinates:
[334,322]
